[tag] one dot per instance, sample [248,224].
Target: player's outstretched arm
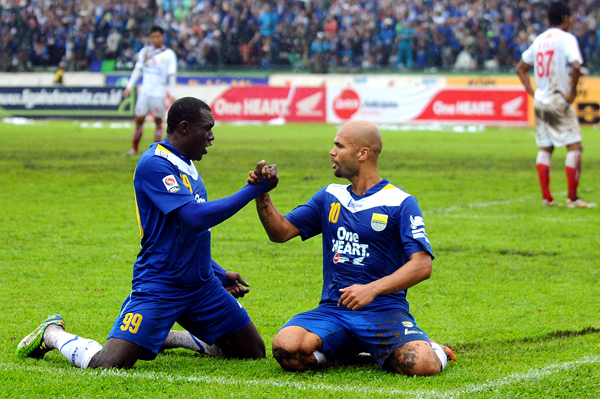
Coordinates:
[417,269]
[202,216]
[278,228]
[523,72]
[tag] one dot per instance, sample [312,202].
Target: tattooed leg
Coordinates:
[415,358]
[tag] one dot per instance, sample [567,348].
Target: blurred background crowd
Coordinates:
[315,35]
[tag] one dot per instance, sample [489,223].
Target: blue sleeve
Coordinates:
[202,216]
[308,218]
[160,181]
[220,273]
[412,228]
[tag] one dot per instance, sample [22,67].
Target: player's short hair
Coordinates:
[158,29]
[557,11]
[187,109]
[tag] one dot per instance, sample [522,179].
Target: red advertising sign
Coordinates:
[346,104]
[295,104]
[466,105]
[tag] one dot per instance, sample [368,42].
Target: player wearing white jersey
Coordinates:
[158,66]
[556,124]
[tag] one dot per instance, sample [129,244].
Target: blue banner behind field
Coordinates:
[120,80]
[59,102]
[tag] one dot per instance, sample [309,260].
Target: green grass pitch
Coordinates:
[515,288]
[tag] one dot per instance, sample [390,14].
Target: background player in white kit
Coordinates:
[555,122]
[157,65]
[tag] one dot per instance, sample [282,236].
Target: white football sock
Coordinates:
[440,354]
[184,339]
[543,158]
[79,351]
[573,159]
[321,359]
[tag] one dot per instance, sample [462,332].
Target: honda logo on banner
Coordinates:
[295,104]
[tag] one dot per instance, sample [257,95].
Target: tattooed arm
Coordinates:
[278,228]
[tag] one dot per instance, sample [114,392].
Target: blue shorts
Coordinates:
[207,311]
[346,332]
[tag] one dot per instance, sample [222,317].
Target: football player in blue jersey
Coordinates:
[175,278]
[374,248]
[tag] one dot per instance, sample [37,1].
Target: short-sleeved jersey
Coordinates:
[365,237]
[550,55]
[172,254]
[156,66]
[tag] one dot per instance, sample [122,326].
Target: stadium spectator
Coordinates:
[319,50]
[44,33]
[404,36]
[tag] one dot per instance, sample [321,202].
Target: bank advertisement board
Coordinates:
[497,106]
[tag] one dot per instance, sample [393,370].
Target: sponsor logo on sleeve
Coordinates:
[379,221]
[416,221]
[407,324]
[171,184]
[417,231]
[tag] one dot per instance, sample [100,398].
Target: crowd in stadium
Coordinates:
[312,34]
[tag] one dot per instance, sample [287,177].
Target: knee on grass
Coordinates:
[294,355]
[415,359]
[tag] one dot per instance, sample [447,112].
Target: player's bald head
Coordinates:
[363,134]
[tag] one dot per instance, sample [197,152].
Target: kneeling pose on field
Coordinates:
[174,276]
[374,248]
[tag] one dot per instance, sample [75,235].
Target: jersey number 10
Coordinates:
[334,213]
[542,63]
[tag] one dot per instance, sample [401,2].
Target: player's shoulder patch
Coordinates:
[171,184]
[188,169]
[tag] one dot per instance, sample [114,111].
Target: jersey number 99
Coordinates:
[132,322]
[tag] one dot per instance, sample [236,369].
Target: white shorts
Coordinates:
[556,124]
[146,104]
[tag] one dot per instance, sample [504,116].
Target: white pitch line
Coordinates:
[484,204]
[518,377]
[417,393]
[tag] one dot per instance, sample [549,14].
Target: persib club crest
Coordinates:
[171,184]
[379,221]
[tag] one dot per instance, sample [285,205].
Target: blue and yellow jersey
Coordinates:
[365,237]
[165,180]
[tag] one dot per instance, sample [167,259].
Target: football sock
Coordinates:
[321,359]
[573,169]
[184,339]
[158,133]
[543,169]
[137,136]
[79,351]
[440,354]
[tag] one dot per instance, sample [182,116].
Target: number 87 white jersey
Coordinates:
[549,54]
